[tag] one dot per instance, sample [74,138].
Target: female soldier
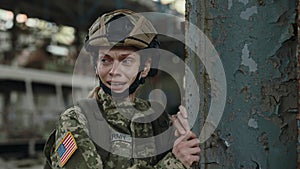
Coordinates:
[115,129]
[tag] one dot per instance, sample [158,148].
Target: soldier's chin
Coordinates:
[121,91]
[118,88]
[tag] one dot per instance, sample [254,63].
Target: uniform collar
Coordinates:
[108,102]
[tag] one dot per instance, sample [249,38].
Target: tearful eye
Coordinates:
[105,60]
[127,61]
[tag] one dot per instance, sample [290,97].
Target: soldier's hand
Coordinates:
[180,121]
[186,148]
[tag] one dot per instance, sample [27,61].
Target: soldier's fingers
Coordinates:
[184,137]
[173,118]
[183,117]
[176,133]
[192,136]
[179,126]
[194,151]
[183,121]
[183,111]
[193,143]
[192,159]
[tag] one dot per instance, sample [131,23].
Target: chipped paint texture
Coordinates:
[248,12]
[247,61]
[245,2]
[298,77]
[229,4]
[257,43]
[252,123]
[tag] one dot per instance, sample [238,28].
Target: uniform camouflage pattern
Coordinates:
[90,156]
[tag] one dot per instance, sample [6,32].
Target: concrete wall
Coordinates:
[257,44]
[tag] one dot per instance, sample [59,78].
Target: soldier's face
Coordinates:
[118,67]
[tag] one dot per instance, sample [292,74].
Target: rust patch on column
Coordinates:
[298,77]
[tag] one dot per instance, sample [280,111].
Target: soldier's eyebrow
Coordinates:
[127,53]
[123,55]
[104,54]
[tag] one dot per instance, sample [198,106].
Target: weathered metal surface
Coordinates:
[298,77]
[257,43]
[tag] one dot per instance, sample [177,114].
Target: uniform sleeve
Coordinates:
[85,156]
[168,162]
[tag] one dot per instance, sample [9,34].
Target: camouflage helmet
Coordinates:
[121,28]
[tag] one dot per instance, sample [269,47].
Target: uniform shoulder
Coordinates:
[71,118]
[73,112]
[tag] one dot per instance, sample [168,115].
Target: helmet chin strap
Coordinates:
[132,88]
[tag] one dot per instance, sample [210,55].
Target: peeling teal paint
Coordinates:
[229,4]
[247,61]
[248,12]
[245,2]
[257,43]
[253,123]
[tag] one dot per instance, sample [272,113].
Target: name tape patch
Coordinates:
[115,136]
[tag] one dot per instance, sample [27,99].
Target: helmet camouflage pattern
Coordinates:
[121,28]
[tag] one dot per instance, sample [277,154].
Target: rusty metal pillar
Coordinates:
[298,115]
[257,43]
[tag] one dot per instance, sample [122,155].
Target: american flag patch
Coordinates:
[66,148]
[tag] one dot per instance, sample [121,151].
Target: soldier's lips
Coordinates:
[116,85]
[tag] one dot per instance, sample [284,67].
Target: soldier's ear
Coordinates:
[96,72]
[147,68]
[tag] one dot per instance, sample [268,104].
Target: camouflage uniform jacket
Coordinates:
[126,123]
